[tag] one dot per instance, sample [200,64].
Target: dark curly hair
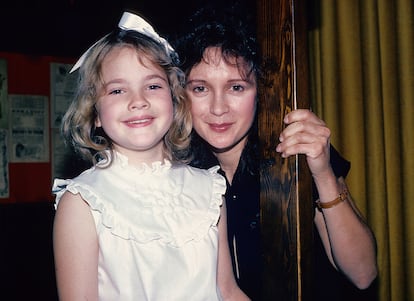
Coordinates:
[230,28]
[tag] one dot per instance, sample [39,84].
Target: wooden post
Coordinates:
[286,206]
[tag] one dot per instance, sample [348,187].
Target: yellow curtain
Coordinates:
[362,62]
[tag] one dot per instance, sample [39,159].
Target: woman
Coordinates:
[220,59]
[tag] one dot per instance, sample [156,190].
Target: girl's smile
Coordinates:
[135,106]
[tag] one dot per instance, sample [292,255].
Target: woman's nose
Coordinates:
[219,105]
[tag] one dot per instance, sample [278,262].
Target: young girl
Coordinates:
[138,225]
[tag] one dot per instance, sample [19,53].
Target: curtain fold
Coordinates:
[362,63]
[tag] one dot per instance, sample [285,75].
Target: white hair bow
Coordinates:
[130,21]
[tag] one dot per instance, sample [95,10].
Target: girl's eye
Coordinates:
[116,91]
[199,89]
[154,87]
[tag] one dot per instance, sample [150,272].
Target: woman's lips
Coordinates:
[219,127]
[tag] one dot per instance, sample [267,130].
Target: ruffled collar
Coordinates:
[122,161]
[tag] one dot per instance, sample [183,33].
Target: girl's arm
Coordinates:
[225,278]
[75,246]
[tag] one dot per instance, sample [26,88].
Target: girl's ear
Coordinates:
[98,122]
[97,119]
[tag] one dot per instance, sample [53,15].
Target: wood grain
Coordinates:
[286,207]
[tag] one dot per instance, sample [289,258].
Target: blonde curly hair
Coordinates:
[78,124]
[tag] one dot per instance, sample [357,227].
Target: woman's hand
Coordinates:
[348,241]
[306,134]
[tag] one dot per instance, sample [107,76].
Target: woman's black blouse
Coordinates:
[243,225]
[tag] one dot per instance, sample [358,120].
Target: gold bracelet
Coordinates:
[342,197]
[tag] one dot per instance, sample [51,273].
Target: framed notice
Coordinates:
[29,128]
[62,90]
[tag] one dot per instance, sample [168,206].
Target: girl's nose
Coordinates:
[138,102]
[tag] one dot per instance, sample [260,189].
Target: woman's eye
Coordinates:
[237,88]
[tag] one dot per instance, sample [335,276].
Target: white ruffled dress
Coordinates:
[157,229]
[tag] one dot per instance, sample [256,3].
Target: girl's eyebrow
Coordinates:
[112,81]
[156,76]
[148,77]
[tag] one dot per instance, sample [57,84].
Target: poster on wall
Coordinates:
[62,90]
[4,165]
[3,94]
[29,128]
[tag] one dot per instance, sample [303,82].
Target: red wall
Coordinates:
[30,182]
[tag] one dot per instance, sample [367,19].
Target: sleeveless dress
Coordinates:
[156,226]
